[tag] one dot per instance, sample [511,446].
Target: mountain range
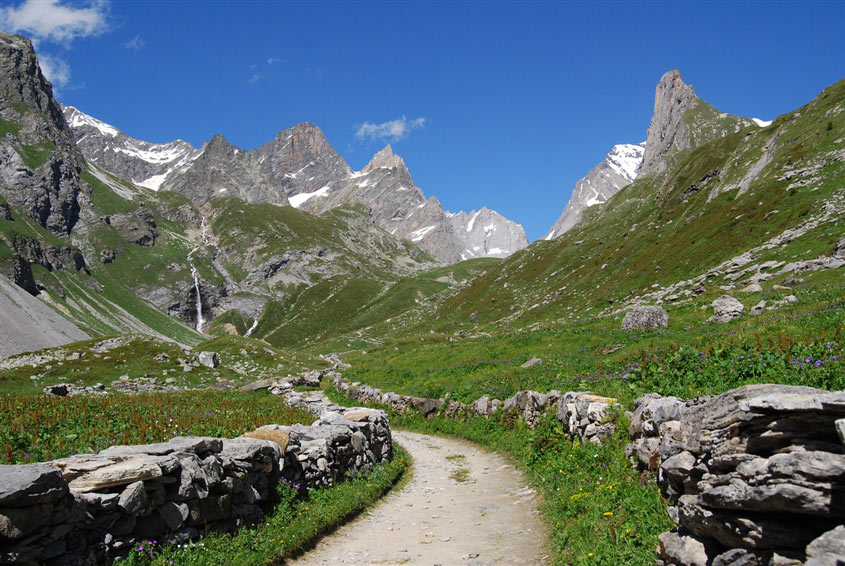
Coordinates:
[287,244]
[301,169]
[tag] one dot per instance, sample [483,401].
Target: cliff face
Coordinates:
[682,121]
[39,165]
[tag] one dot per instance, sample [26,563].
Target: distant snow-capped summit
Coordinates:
[617,170]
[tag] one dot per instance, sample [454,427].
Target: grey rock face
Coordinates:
[615,172]
[145,164]
[725,309]
[753,474]
[682,121]
[486,233]
[299,167]
[645,317]
[39,165]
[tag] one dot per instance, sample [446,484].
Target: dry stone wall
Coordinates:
[586,417]
[90,508]
[755,476]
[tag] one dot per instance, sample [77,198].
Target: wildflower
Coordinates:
[608,514]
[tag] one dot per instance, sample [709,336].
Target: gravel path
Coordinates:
[463,506]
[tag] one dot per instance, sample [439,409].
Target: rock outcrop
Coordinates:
[39,165]
[755,475]
[682,121]
[725,309]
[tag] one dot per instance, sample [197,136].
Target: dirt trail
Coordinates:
[463,506]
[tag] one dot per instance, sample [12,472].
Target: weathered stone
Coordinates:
[28,484]
[17,522]
[209,359]
[758,309]
[725,309]
[531,363]
[134,469]
[173,514]
[753,288]
[133,498]
[828,549]
[682,550]
[361,415]
[645,317]
[274,433]
[840,429]
[257,385]
[208,510]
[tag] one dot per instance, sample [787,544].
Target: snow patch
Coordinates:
[81,119]
[153,182]
[472,221]
[298,200]
[625,159]
[550,235]
[761,123]
[104,178]
[418,235]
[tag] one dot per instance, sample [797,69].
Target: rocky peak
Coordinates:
[486,233]
[666,132]
[682,121]
[39,163]
[616,171]
[384,159]
[22,80]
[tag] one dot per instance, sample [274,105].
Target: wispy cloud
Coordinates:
[254,78]
[49,20]
[273,60]
[55,70]
[391,131]
[135,44]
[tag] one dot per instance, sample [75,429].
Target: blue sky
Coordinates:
[499,104]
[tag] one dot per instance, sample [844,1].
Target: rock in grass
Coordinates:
[531,363]
[645,317]
[209,359]
[753,288]
[725,309]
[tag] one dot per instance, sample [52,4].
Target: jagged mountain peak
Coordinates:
[384,159]
[682,121]
[617,170]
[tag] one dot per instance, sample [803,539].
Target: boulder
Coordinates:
[725,309]
[645,317]
[829,548]
[753,288]
[531,363]
[257,385]
[209,359]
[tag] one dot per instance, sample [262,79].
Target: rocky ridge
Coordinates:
[299,167]
[682,121]
[616,171]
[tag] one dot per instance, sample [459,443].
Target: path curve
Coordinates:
[490,518]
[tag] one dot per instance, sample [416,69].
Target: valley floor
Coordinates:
[463,505]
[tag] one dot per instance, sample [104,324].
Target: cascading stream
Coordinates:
[251,328]
[196,275]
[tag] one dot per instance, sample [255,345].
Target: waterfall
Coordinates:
[195,274]
[251,328]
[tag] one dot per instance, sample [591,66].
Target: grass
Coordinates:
[294,524]
[35,429]
[36,155]
[242,360]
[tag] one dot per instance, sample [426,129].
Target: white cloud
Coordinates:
[391,131]
[254,78]
[55,70]
[135,44]
[273,60]
[49,20]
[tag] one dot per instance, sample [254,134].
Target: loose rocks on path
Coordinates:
[462,506]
